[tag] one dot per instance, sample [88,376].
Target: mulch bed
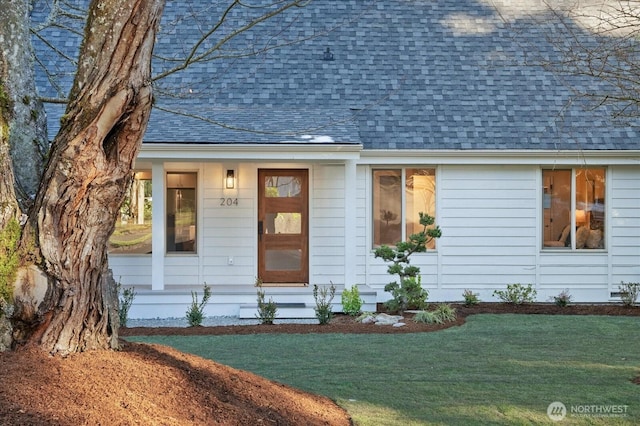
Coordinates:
[346,324]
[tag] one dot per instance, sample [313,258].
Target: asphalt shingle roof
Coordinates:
[404,74]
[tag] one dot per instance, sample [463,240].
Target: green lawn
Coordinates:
[496,369]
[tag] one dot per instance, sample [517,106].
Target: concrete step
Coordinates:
[292,302]
[291,310]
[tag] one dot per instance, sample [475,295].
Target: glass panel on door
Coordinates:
[282,226]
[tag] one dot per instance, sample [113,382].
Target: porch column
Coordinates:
[157,225]
[350,223]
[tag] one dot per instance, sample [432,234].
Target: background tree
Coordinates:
[610,56]
[594,51]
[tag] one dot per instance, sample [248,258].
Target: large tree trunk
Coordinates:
[8,204]
[90,163]
[21,120]
[14,29]
[27,126]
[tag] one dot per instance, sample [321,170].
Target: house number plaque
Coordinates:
[228,202]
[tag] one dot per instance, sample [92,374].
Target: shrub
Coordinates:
[267,311]
[126,300]
[443,313]
[629,293]
[446,312]
[517,294]
[195,313]
[351,301]
[408,293]
[470,298]
[562,299]
[324,297]
[428,317]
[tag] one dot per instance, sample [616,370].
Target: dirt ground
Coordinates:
[156,385]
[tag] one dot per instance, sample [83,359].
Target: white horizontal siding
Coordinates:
[131,270]
[362,203]
[329,197]
[327,245]
[574,270]
[226,230]
[326,225]
[624,239]
[229,231]
[487,278]
[328,228]
[182,269]
[488,220]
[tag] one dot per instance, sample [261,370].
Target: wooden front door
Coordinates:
[283,223]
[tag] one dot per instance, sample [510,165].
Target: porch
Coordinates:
[236,301]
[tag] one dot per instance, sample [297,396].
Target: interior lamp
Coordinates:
[581,217]
[230,180]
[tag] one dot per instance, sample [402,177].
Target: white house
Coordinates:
[293,164]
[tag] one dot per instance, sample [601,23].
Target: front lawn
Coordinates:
[496,369]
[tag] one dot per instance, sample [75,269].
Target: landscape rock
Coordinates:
[386,319]
[369,319]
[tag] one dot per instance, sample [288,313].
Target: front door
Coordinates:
[283,243]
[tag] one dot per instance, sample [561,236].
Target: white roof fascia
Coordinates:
[501,157]
[238,152]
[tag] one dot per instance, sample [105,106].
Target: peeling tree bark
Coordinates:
[13,25]
[90,163]
[8,204]
[13,32]
[27,136]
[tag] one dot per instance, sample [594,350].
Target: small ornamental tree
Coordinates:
[408,293]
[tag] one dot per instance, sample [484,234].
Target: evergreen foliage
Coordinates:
[408,293]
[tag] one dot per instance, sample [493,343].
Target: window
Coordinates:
[573,208]
[181,212]
[132,234]
[399,195]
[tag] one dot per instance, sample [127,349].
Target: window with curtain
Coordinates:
[573,206]
[399,195]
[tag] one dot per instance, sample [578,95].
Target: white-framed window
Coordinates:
[573,208]
[399,195]
[133,232]
[181,211]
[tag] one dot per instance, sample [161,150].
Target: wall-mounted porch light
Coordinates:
[230,180]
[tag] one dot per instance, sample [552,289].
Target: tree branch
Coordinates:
[193,56]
